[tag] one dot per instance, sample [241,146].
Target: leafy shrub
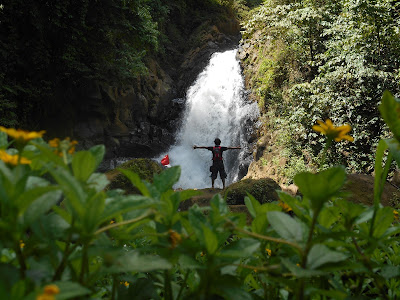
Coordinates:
[264,190]
[103,244]
[334,62]
[144,167]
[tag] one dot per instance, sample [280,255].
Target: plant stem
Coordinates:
[267,238]
[84,263]
[67,252]
[324,152]
[305,253]
[378,189]
[183,285]
[21,259]
[167,286]
[105,228]
[114,287]
[367,263]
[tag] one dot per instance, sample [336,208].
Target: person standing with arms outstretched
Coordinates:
[218,163]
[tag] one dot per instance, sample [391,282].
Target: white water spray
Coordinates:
[215,107]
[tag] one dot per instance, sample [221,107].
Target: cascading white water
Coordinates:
[215,107]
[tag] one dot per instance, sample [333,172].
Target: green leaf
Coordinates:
[329,216]
[390,112]
[252,205]
[349,210]
[384,218]
[293,202]
[188,262]
[133,262]
[3,140]
[196,220]
[141,289]
[136,181]
[123,204]
[98,181]
[394,148]
[321,254]
[25,199]
[390,272]
[166,179]
[219,206]
[259,224]
[50,227]
[320,187]
[93,212]
[73,191]
[46,155]
[70,290]
[98,152]
[83,165]
[298,271]
[211,240]
[40,206]
[380,174]
[241,248]
[287,227]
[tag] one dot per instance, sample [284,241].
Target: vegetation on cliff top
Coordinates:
[311,60]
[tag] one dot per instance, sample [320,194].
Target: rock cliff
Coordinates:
[140,119]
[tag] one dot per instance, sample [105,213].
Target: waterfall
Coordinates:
[216,106]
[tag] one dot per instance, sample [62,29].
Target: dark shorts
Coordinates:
[218,166]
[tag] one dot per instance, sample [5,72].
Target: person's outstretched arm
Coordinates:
[199,147]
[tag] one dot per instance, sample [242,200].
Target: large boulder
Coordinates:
[264,190]
[360,189]
[144,167]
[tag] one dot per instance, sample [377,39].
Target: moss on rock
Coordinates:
[264,190]
[144,167]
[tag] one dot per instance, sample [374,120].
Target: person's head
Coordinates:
[217,141]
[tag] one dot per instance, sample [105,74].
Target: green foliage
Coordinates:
[58,225]
[337,58]
[143,167]
[262,189]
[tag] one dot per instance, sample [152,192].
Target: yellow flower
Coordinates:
[21,244]
[13,159]
[48,292]
[126,283]
[51,289]
[174,238]
[332,132]
[285,207]
[396,214]
[22,135]
[65,145]
[269,252]
[202,254]
[54,143]
[112,222]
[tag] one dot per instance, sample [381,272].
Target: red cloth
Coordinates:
[165,160]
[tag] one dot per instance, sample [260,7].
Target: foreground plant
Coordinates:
[63,236]
[332,133]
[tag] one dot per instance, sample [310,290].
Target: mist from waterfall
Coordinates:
[215,106]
